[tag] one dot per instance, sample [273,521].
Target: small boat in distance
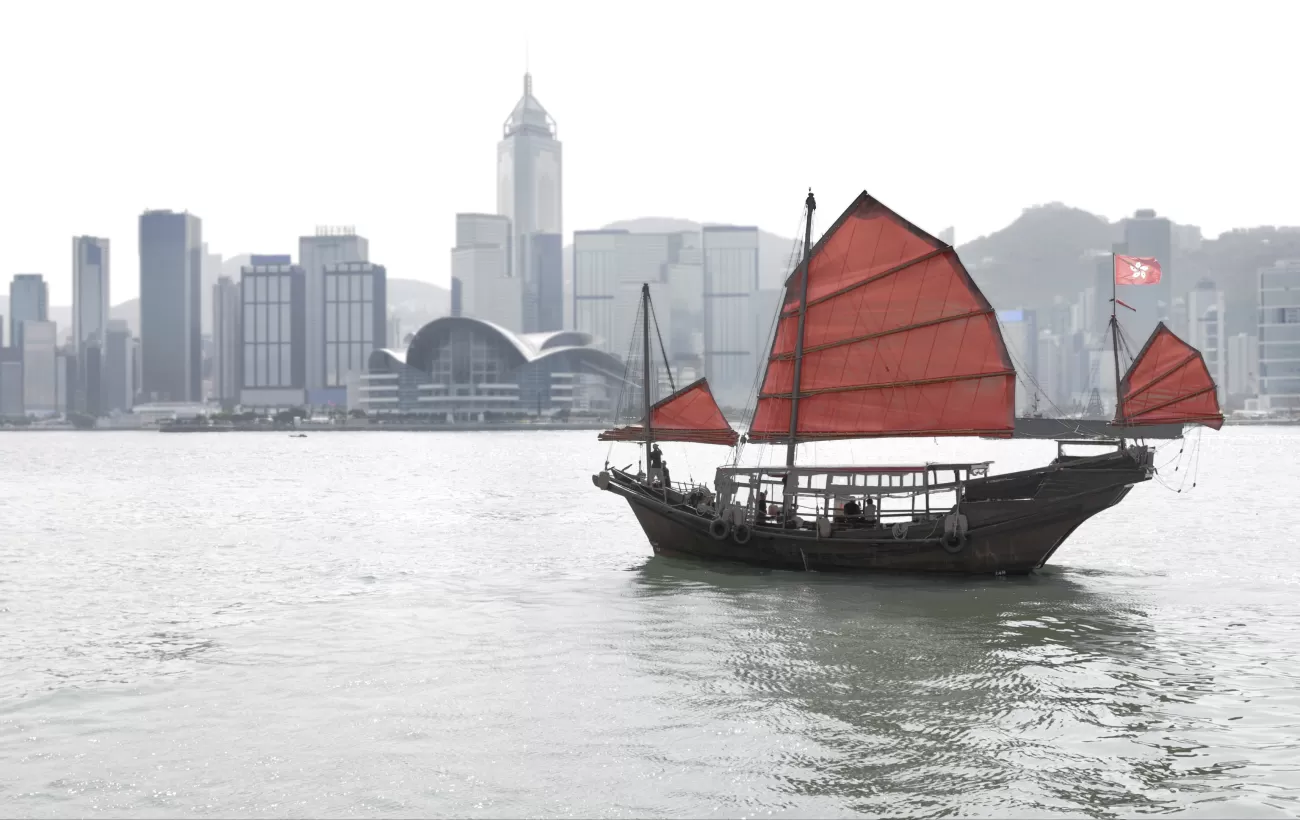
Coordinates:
[883,333]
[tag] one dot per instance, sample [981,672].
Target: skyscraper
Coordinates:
[11,383]
[356,313]
[170,262]
[272,336]
[40,367]
[330,246]
[29,301]
[1243,365]
[547,292]
[210,269]
[730,279]
[480,264]
[1205,320]
[1279,332]
[90,289]
[609,267]
[225,330]
[529,195]
[118,391]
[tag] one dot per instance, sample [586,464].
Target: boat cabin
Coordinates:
[874,496]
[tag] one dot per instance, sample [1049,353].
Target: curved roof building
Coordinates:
[465,367]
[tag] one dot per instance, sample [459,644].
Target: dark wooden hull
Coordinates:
[1016,522]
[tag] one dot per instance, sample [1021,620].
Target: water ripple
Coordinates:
[388,626]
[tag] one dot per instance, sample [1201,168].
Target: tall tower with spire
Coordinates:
[529,193]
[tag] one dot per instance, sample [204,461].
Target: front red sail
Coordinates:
[1167,384]
[690,415]
[898,340]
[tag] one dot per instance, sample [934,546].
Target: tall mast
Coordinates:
[645,385]
[810,205]
[1114,341]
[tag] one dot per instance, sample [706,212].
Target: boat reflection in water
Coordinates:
[923,696]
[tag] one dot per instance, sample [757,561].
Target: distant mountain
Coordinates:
[129,311]
[416,303]
[1044,253]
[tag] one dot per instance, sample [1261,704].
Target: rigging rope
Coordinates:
[760,373]
[662,352]
[627,386]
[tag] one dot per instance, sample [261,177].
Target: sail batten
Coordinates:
[856,285]
[897,340]
[1168,383]
[689,415]
[878,335]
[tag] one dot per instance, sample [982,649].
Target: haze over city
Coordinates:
[587,409]
[269,119]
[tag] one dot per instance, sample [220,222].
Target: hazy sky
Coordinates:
[268,118]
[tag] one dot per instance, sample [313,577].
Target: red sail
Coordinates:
[690,415]
[898,340]
[1167,384]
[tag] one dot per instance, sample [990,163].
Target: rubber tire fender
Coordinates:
[719,528]
[953,543]
[742,533]
[954,536]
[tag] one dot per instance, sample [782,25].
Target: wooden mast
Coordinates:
[810,205]
[645,384]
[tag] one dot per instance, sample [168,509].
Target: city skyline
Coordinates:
[414,172]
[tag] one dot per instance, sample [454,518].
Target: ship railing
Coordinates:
[898,493]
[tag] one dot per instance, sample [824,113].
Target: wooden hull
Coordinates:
[1015,523]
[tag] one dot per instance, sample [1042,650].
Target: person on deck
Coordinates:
[869,514]
[667,481]
[656,457]
[760,510]
[852,511]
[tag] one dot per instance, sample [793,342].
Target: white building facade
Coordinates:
[1279,337]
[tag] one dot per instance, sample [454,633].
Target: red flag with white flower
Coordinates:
[1136,270]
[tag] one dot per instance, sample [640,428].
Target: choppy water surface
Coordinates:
[461,624]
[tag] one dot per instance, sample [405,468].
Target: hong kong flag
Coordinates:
[1136,270]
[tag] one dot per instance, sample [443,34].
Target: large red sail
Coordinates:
[898,340]
[690,414]
[1167,384]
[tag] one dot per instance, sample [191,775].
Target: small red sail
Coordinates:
[690,415]
[898,340]
[1168,383]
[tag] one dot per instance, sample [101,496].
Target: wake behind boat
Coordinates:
[883,333]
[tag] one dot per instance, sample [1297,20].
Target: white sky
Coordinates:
[267,118]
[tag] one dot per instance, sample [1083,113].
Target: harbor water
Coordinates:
[460,624]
